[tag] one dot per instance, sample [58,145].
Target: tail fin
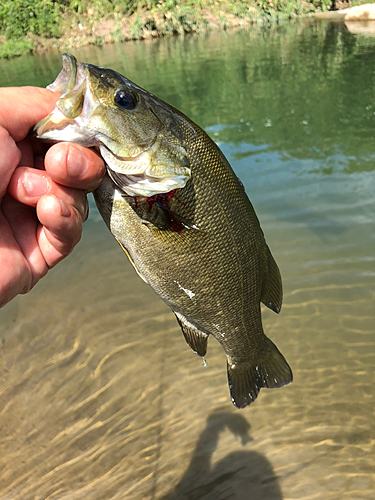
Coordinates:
[245,379]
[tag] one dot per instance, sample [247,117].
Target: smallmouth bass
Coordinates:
[174,204]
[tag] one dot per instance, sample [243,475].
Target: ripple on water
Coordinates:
[101,398]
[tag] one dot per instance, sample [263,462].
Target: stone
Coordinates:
[364,12]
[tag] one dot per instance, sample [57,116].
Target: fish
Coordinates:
[172,201]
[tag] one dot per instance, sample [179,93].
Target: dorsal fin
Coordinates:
[272,293]
[196,339]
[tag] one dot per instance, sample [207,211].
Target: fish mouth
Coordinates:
[76,100]
[82,116]
[69,77]
[73,83]
[75,106]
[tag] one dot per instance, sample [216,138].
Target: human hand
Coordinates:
[42,192]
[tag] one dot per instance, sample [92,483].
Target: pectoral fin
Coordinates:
[196,339]
[177,221]
[272,293]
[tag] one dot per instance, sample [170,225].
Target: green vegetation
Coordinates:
[35,25]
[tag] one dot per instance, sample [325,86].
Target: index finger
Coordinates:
[22,107]
[9,158]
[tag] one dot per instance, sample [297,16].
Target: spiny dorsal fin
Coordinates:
[272,293]
[246,380]
[196,339]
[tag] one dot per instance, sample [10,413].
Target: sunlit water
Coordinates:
[101,398]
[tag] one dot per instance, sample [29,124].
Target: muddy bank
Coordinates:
[63,28]
[137,27]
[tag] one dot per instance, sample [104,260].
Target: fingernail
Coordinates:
[77,162]
[34,184]
[65,211]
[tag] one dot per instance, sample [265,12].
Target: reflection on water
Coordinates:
[100,397]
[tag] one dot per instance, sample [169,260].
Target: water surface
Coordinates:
[101,398]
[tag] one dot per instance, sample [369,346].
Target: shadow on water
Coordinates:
[324,227]
[245,475]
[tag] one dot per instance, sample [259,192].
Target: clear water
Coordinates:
[100,397]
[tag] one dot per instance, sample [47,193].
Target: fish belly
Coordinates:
[212,289]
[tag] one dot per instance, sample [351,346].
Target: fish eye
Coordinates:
[125,99]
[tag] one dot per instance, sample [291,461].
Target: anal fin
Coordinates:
[196,339]
[246,379]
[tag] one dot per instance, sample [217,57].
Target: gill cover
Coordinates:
[133,130]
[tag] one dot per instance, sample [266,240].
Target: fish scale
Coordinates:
[200,246]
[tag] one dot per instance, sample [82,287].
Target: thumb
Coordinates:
[22,107]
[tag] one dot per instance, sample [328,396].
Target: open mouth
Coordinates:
[77,100]
[69,76]
[85,114]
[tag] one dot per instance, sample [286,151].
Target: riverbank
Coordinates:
[42,25]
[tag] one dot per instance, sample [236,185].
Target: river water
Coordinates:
[101,398]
